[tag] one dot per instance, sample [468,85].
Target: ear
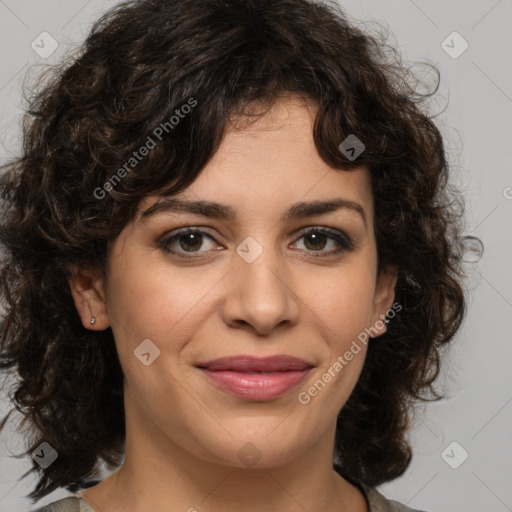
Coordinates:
[383,300]
[87,289]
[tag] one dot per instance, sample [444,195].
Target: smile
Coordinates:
[255,378]
[256,386]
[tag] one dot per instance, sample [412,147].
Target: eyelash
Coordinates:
[345,243]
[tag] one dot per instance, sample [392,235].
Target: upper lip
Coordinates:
[279,363]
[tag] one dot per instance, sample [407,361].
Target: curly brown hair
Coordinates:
[141,62]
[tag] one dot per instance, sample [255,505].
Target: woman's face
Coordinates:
[251,283]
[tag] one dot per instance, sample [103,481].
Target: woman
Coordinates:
[231,262]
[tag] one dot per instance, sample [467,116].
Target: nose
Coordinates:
[261,295]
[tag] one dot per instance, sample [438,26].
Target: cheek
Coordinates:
[149,302]
[342,309]
[344,301]
[341,314]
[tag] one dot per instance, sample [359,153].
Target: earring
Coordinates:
[93,321]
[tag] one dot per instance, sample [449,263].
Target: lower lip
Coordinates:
[258,386]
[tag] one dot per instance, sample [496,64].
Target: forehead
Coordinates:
[268,162]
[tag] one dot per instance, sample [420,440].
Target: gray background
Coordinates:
[477,87]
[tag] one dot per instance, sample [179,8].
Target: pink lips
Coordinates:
[253,378]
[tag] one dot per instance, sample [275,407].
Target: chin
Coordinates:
[255,451]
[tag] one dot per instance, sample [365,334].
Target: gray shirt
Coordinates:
[375,500]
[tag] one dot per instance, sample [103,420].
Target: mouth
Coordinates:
[256,379]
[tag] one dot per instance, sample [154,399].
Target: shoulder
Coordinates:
[69,504]
[379,503]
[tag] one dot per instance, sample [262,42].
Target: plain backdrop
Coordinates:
[462,445]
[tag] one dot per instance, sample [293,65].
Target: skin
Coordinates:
[183,433]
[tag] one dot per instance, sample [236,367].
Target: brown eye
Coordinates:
[317,239]
[187,241]
[192,241]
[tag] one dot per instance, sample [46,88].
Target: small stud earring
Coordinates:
[93,321]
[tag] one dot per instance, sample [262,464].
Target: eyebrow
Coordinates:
[224,212]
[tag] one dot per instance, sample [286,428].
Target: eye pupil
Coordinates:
[317,238]
[191,237]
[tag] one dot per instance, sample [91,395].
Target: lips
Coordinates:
[255,379]
[250,364]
